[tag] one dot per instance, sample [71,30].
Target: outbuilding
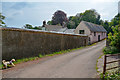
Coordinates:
[95,32]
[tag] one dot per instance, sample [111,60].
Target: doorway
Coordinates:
[89,41]
[98,37]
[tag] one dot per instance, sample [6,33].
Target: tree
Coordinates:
[71,25]
[114,22]
[59,17]
[89,16]
[107,27]
[28,26]
[2,23]
[115,36]
[49,22]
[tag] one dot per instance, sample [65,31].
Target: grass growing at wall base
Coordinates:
[41,56]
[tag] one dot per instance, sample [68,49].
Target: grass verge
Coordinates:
[41,56]
[112,74]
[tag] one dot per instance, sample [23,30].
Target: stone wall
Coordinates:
[23,43]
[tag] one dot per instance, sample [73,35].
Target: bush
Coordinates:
[114,75]
[115,37]
[110,50]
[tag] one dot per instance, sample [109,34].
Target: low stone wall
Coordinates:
[23,43]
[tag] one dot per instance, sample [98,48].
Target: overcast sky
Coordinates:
[20,12]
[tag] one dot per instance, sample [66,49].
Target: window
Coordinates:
[81,31]
[94,33]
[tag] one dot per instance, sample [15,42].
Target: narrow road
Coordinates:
[76,64]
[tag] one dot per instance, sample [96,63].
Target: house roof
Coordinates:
[53,27]
[94,27]
[70,31]
[63,29]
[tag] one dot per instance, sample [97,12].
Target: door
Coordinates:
[89,41]
[98,37]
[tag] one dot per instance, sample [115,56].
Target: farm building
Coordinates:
[95,32]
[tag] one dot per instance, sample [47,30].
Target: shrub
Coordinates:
[114,75]
[110,50]
[115,37]
[40,55]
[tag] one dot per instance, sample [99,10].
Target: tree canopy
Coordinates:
[59,17]
[115,36]
[28,26]
[89,16]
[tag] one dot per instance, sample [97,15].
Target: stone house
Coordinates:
[95,32]
[56,28]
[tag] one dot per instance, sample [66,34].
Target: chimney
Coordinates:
[44,23]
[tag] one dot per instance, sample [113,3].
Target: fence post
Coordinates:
[104,67]
[119,63]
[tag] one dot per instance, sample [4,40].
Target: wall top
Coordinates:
[40,31]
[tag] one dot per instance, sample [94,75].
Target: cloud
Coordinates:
[19,5]
[0,7]
[17,13]
[12,10]
[20,13]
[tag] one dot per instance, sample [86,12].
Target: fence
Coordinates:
[110,62]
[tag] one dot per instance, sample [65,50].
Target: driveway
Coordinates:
[76,64]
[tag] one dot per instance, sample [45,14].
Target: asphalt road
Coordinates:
[76,64]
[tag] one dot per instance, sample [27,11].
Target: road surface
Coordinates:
[76,64]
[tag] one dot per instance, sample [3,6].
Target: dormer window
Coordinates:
[81,31]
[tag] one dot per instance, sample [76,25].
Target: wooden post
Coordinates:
[104,67]
[119,63]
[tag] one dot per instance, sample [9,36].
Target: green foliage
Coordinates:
[89,16]
[115,37]
[49,23]
[37,28]
[110,50]
[114,75]
[2,23]
[114,22]
[71,25]
[107,26]
[28,26]
[40,56]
